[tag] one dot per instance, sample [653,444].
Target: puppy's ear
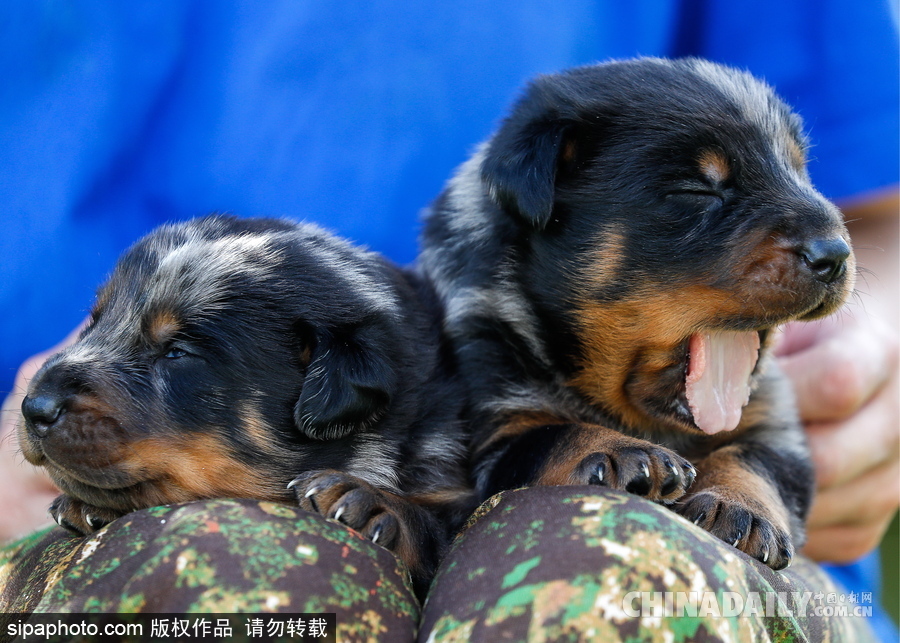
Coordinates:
[520,166]
[349,383]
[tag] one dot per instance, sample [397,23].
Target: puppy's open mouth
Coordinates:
[718,372]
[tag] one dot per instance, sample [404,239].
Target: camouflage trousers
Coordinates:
[545,564]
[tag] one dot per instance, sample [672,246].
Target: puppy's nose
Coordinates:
[42,411]
[826,258]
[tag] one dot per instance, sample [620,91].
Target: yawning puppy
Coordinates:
[613,262]
[255,359]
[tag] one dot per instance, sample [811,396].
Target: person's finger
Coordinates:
[835,376]
[842,451]
[842,527]
[844,544]
[867,499]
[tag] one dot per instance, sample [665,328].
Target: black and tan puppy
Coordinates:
[229,358]
[613,262]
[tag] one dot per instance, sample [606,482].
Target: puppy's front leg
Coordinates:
[580,454]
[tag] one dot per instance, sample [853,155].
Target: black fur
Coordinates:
[515,464]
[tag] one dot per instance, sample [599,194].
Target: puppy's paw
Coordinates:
[80,518]
[642,469]
[376,514]
[394,522]
[742,523]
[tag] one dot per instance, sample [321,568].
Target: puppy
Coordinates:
[613,263]
[255,359]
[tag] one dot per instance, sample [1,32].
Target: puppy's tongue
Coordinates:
[718,378]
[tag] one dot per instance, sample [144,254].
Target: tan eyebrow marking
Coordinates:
[163,326]
[714,166]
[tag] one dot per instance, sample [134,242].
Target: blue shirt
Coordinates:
[115,117]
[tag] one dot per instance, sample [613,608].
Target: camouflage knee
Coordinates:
[224,556]
[584,564]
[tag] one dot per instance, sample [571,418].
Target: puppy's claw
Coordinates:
[339,512]
[788,557]
[311,492]
[691,474]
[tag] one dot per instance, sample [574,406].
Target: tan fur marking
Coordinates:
[194,467]
[880,203]
[714,166]
[405,547]
[163,326]
[606,258]
[256,428]
[795,154]
[439,497]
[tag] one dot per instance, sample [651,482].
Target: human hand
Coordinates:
[26,492]
[845,374]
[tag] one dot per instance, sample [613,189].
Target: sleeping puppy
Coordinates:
[255,359]
[613,263]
